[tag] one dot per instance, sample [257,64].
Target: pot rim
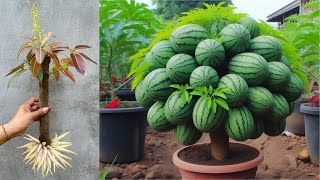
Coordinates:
[217,168]
[309,110]
[122,110]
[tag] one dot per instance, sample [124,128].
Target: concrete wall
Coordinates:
[75,105]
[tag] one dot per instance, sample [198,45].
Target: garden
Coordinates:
[198,91]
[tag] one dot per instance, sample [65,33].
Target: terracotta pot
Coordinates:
[246,170]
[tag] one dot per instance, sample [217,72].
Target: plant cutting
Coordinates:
[231,84]
[43,59]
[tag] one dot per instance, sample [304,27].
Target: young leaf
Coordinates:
[78,63]
[176,86]
[67,61]
[220,94]
[35,66]
[46,37]
[15,77]
[55,59]
[87,58]
[210,89]
[197,93]
[68,74]
[222,103]
[24,47]
[40,54]
[82,47]
[214,106]
[185,96]
[208,102]
[56,73]
[51,45]
[15,69]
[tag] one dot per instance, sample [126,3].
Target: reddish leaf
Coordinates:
[55,59]
[87,58]
[40,54]
[61,47]
[114,80]
[66,61]
[24,47]
[68,74]
[30,55]
[35,66]
[51,45]
[46,37]
[15,69]
[78,63]
[113,104]
[56,73]
[57,50]
[82,47]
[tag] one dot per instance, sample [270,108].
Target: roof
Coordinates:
[278,15]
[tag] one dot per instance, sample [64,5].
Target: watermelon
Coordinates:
[157,84]
[235,38]
[285,61]
[251,67]
[180,67]
[294,90]
[204,76]
[187,134]
[204,119]
[185,38]
[279,77]
[148,60]
[217,25]
[240,124]
[238,89]
[267,46]
[251,25]
[156,118]
[210,52]
[258,128]
[160,54]
[280,107]
[177,110]
[291,107]
[274,128]
[260,100]
[142,96]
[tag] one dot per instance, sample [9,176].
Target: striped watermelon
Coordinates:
[204,119]
[280,108]
[210,52]
[251,25]
[180,67]
[258,128]
[148,60]
[285,61]
[142,96]
[217,25]
[260,100]
[160,54]
[235,38]
[279,77]
[177,110]
[156,118]
[238,89]
[185,38]
[274,128]
[204,76]
[267,46]
[187,134]
[294,90]
[157,84]
[251,67]
[240,124]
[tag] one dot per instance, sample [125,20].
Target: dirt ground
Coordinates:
[159,148]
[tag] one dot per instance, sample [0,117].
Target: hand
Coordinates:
[26,114]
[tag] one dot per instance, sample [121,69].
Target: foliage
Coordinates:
[104,174]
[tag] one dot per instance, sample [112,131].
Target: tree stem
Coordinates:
[219,144]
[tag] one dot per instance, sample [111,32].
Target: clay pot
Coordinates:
[245,170]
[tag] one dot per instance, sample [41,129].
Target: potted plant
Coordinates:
[43,59]
[122,123]
[225,67]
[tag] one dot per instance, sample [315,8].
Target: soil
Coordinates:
[280,158]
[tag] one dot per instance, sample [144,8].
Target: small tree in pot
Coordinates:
[228,75]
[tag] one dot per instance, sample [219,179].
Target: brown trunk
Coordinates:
[219,144]
[44,98]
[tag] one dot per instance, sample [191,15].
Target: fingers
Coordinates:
[39,112]
[32,100]
[35,107]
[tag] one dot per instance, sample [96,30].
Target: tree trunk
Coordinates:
[44,98]
[219,144]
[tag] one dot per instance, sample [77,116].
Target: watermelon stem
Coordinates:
[219,144]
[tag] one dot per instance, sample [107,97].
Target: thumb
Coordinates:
[40,112]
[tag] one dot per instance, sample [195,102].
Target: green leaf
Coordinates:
[214,106]
[176,86]
[16,75]
[185,96]
[197,93]
[220,94]
[210,89]
[222,103]
[190,98]
[208,102]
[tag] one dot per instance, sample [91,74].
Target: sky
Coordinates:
[257,9]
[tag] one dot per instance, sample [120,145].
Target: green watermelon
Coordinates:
[280,108]
[185,38]
[279,77]
[180,67]
[160,54]
[285,61]
[204,119]
[210,52]
[187,134]
[274,128]
[204,76]
[238,89]
[217,25]
[251,67]
[240,124]
[156,118]
[267,46]
[258,127]
[235,38]
[177,110]
[142,96]
[157,84]
[251,25]
[259,101]
[294,90]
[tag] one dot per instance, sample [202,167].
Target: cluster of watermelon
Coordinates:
[250,65]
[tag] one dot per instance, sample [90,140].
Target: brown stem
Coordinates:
[219,144]
[44,98]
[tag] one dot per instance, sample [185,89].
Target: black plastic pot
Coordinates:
[124,94]
[295,122]
[311,118]
[122,133]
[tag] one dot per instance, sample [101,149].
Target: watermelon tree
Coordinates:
[228,74]
[43,59]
